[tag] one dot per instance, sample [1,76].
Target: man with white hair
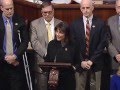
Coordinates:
[89,32]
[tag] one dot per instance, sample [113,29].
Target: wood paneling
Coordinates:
[65,12]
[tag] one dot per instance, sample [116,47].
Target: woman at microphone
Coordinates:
[63,50]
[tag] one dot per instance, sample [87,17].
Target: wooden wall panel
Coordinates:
[67,13]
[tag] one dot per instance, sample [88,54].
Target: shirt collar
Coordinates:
[52,21]
[5,18]
[90,18]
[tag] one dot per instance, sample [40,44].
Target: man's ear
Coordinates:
[1,7]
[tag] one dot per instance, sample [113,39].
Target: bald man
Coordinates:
[11,49]
[89,32]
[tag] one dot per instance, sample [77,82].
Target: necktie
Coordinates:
[87,37]
[48,26]
[9,42]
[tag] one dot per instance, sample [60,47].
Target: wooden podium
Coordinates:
[54,72]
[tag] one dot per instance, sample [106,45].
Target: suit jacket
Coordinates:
[114,45]
[97,41]
[19,27]
[39,39]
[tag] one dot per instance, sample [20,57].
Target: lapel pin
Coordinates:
[66,49]
[16,23]
[93,26]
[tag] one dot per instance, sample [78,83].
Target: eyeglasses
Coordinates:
[47,12]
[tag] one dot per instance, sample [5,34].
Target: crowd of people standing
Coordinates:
[84,44]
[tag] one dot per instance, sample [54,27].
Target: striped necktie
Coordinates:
[87,36]
[9,42]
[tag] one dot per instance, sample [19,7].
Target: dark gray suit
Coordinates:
[39,41]
[114,45]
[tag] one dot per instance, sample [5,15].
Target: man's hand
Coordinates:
[15,63]
[85,65]
[118,57]
[10,59]
[90,63]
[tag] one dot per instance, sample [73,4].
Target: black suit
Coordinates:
[10,75]
[97,41]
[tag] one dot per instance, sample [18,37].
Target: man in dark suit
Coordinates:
[12,48]
[89,32]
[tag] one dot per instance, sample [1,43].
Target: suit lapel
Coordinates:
[81,26]
[2,27]
[56,22]
[116,24]
[15,31]
[93,28]
[2,31]
[43,29]
[15,25]
[81,32]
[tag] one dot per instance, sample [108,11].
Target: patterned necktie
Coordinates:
[87,37]
[9,42]
[48,26]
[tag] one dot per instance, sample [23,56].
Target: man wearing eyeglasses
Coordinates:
[40,37]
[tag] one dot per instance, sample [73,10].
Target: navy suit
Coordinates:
[96,46]
[13,76]
[97,40]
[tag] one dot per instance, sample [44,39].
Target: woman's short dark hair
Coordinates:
[63,26]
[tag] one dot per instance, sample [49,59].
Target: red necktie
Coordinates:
[87,37]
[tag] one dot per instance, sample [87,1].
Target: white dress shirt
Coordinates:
[84,21]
